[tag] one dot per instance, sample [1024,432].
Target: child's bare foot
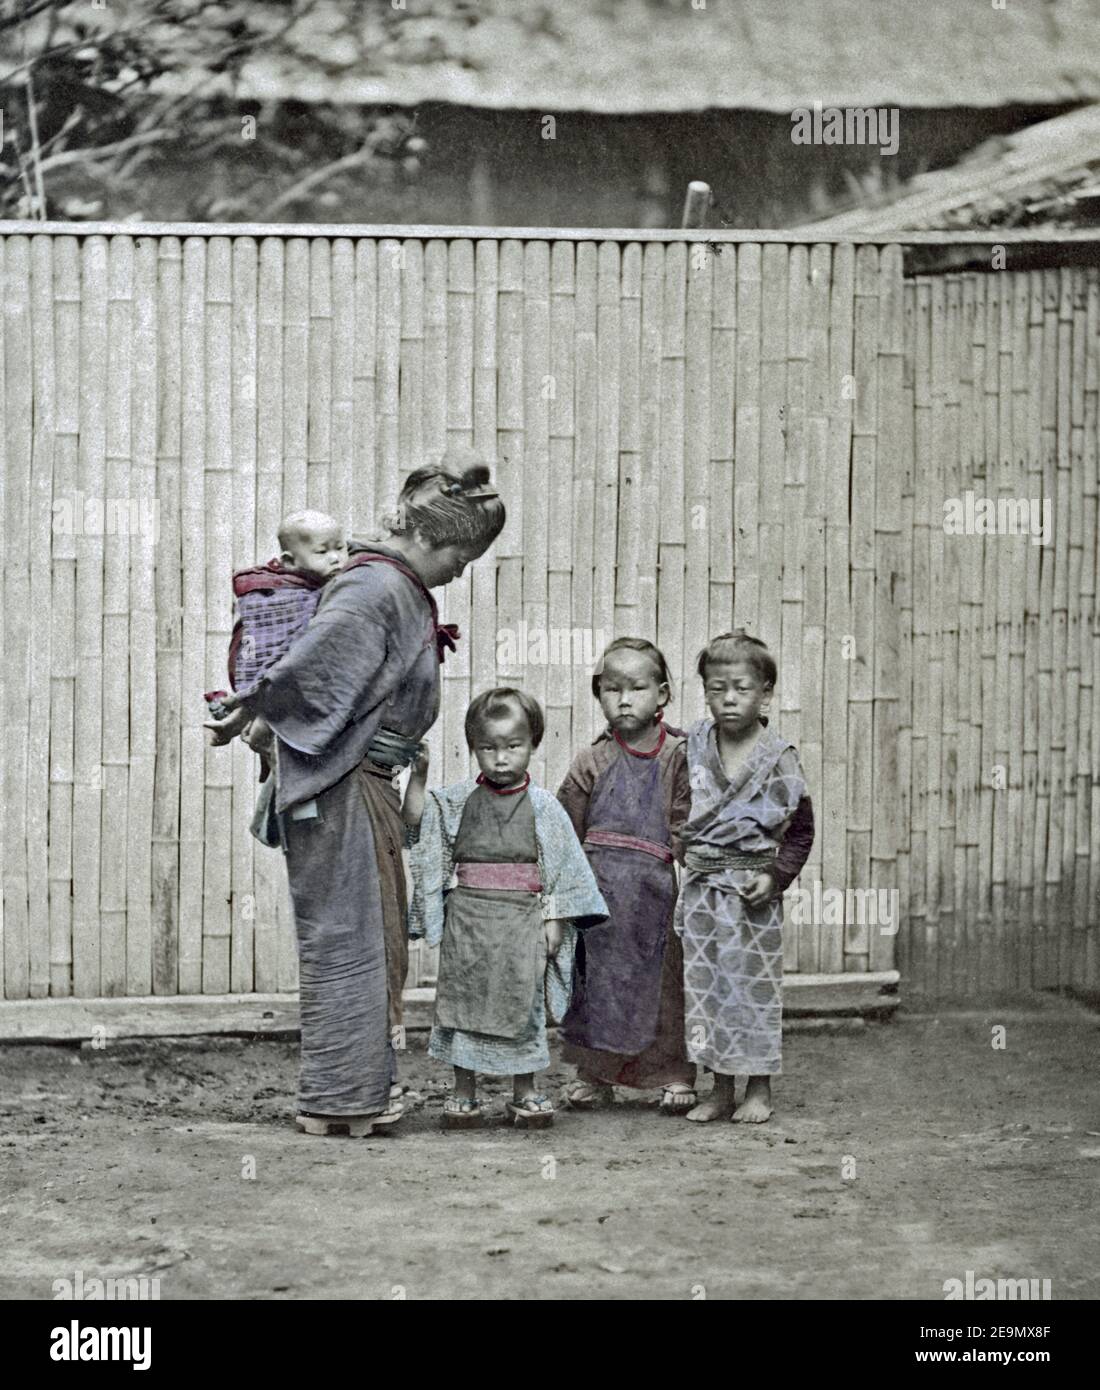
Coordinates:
[757,1105]
[719,1105]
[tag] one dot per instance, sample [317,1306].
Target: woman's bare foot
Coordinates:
[719,1105]
[757,1105]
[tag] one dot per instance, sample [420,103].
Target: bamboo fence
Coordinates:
[692,431]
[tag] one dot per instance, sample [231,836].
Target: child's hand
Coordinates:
[553,936]
[759,889]
[420,763]
[226,730]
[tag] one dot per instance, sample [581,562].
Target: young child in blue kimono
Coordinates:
[507,928]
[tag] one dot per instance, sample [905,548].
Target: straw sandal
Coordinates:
[459,1113]
[678,1098]
[588,1095]
[532,1112]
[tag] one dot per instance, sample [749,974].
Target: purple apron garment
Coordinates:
[617,977]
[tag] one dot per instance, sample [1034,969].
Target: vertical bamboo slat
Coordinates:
[39,514]
[88,728]
[17,654]
[818,397]
[838,626]
[888,673]
[861,549]
[268,873]
[559,685]
[671,550]
[217,924]
[460,426]
[66,266]
[171,696]
[143,624]
[193,660]
[319,375]
[536,480]
[723,397]
[649,425]
[698,517]
[585,418]
[243,762]
[116,616]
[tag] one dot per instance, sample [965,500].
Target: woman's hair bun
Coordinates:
[475,476]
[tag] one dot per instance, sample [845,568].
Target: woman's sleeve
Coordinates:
[353,652]
[797,843]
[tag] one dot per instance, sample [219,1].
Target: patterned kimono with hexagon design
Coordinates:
[733,954]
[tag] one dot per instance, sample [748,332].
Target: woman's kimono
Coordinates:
[625,1025]
[733,954]
[494,982]
[366,668]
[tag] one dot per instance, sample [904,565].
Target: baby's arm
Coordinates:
[412,808]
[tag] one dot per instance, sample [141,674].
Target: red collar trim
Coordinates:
[498,790]
[634,752]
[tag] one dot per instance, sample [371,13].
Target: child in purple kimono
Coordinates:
[748,835]
[627,796]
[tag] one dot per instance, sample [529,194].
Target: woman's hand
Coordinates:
[226,730]
[553,936]
[259,735]
[759,890]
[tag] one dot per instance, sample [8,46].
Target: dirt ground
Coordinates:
[902,1154]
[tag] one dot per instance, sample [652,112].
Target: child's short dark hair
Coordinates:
[634,644]
[739,646]
[499,704]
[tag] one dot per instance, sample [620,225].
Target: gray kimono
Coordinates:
[367,661]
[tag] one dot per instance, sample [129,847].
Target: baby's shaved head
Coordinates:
[303,526]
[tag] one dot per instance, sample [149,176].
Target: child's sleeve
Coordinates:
[569,889]
[797,843]
[575,791]
[680,801]
[429,863]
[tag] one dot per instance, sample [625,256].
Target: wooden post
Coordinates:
[696,205]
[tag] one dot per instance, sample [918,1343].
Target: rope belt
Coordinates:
[611,839]
[517,878]
[710,859]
